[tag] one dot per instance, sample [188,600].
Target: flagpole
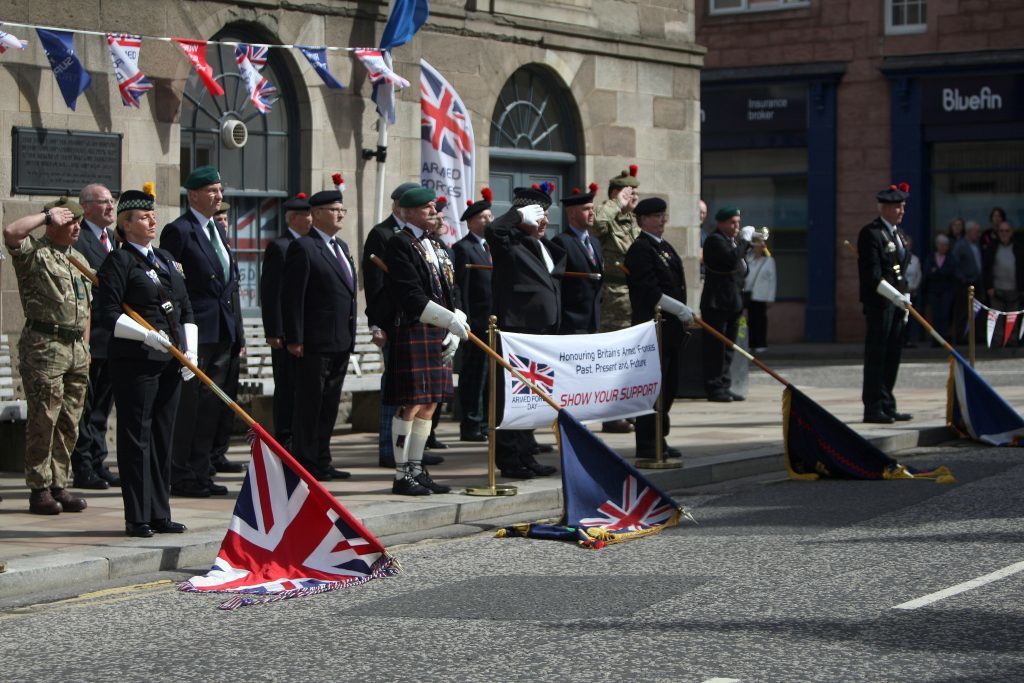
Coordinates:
[382,156]
[972,346]
[492,488]
[568,273]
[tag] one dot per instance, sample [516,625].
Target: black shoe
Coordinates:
[671,452]
[517,473]
[475,437]
[386,462]
[424,480]
[190,489]
[90,481]
[545,448]
[321,475]
[429,459]
[217,489]
[225,466]
[166,526]
[109,477]
[879,418]
[720,397]
[138,530]
[617,427]
[736,397]
[408,486]
[540,469]
[338,474]
[435,445]
[901,417]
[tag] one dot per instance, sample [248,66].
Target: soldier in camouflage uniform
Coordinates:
[53,355]
[616,227]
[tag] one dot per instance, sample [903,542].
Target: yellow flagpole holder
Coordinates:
[658,462]
[492,488]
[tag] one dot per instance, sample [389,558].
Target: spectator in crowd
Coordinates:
[967,254]
[1003,270]
[940,285]
[758,291]
[996,217]
[914,277]
[956,231]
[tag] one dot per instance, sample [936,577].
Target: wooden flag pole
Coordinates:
[586,276]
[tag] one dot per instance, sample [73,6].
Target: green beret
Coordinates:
[74,207]
[726,213]
[201,177]
[417,196]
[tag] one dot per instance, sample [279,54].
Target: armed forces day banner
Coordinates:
[594,376]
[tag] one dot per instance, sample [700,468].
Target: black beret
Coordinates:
[135,199]
[650,205]
[402,189]
[577,197]
[727,213]
[894,194]
[297,203]
[325,197]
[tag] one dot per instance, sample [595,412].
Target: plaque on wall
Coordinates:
[55,162]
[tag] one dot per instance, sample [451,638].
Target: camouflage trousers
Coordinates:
[55,375]
[615,309]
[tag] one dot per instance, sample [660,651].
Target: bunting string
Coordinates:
[992,317]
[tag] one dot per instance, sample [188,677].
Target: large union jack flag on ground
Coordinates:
[540,374]
[289,537]
[607,500]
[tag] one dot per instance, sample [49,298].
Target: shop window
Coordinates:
[969,178]
[906,16]
[770,188]
[734,6]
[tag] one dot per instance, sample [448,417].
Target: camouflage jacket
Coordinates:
[617,232]
[52,290]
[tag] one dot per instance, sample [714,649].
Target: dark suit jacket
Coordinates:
[526,296]
[409,279]
[724,270]
[581,299]
[878,258]
[988,259]
[95,255]
[380,309]
[124,278]
[271,282]
[319,307]
[474,283]
[655,269]
[215,303]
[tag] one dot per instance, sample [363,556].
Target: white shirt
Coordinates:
[203,223]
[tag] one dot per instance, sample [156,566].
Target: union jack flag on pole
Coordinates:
[250,59]
[289,537]
[7,41]
[607,500]
[124,55]
[447,146]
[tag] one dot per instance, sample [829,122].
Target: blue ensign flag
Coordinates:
[71,76]
[974,408]
[317,57]
[407,16]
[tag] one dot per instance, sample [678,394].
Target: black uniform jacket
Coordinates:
[724,270]
[271,283]
[95,255]
[126,278]
[319,307]
[655,269]
[878,259]
[525,295]
[474,283]
[380,309]
[409,278]
[581,298]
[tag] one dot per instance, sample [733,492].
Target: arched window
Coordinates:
[535,136]
[258,174]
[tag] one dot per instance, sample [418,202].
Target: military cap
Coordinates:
[625,179]
[297,203]
[474,208]
[577,197]
[650,205]
[726,213]
[325,197]
[402,189]
[201,177]
[894,194]
[222,208]
[135,199]
[71,205]
[535,194]
[417,196]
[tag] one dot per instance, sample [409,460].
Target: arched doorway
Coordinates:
[259,175]
[535,136]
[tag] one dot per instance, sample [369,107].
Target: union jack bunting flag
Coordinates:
[540,374]
[260,89]
[7,41]
[124,55]
[289,537]
[607,500]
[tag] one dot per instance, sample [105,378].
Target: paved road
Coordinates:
[781,581]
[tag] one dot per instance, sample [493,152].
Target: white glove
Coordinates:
[187,374]
[901,301]
[448,347]
[676,308]
[439,316]
[531,214]
[191,349]
[747,232]
[158,341]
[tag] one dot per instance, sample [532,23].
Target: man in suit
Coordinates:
[211,276]
[299,221]
[656,279]
[95,241]
[529,268]
[882,261]
[380,309]
[475,286]
[319,299]
[581,297]
[721,301]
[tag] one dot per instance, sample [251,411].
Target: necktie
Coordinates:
[590,250]
[900,251]
[151,257]
[343,262]
[487,251]
[218,249]
[104,241]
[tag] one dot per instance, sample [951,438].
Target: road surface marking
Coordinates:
[722,680]
[962,587]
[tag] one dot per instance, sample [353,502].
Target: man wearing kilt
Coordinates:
[424,336]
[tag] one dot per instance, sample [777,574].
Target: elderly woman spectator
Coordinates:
[940,285]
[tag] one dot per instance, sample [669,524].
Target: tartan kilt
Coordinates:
[415,373]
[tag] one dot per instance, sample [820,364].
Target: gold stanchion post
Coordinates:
[971,344]
[659,462]
[492,488]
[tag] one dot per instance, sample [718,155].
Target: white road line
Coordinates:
[722,680]
[962,587]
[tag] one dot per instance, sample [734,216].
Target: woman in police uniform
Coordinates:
[145,377]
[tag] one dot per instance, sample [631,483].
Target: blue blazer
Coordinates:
[318,306]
